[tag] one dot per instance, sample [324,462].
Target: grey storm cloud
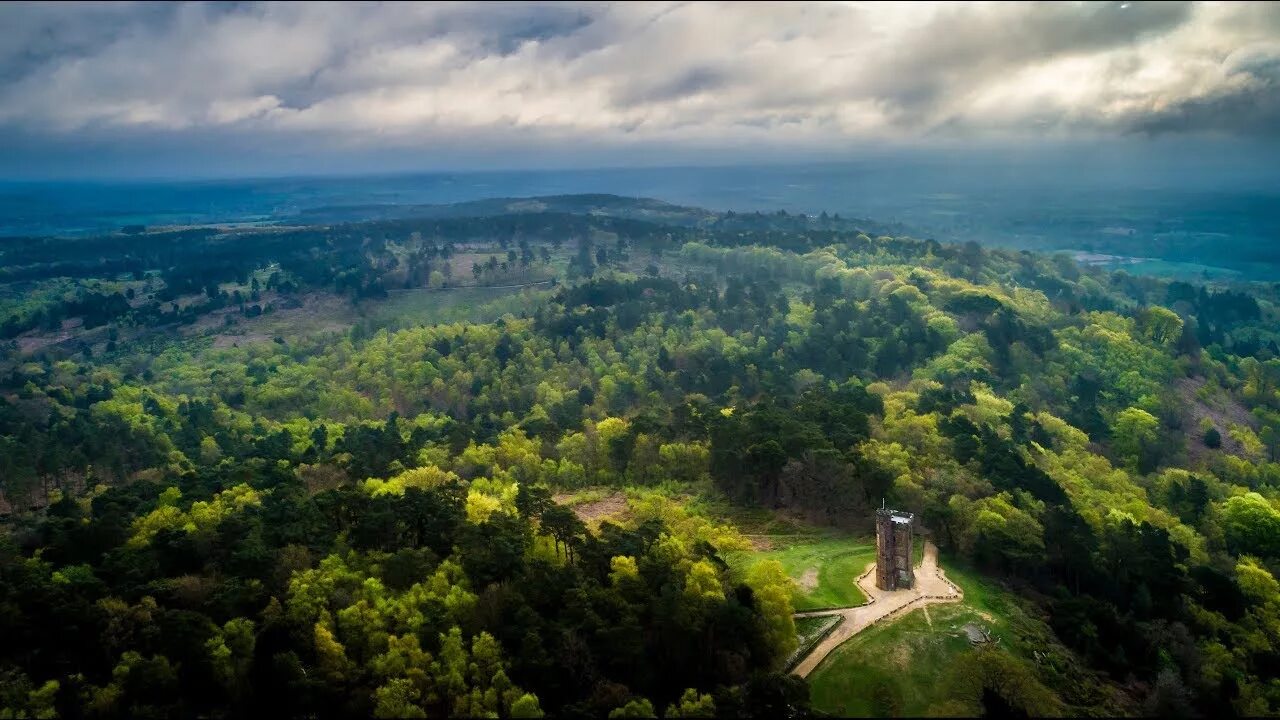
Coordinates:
[962,47]
[1249,104]
[361,74]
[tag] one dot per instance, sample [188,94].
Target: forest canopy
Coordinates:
[276,470]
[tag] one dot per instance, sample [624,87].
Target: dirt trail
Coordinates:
[932,586]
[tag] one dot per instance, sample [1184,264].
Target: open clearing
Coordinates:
[593,506]
[876,659]
[900,666]
[931,586]
[1221,409]
[892,668]
[824,568]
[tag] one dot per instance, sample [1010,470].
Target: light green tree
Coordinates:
[692,704]
[397,698]
[641,708]
[526,706]
[772,588]
[1135,433]
[1251,524]
[1160,325]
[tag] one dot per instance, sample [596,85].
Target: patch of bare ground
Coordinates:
[808,581]
[316,311]
[902,655]
[608,507]
[226,341]
[526,206]
[760,543]
[31,343]
[1220,408]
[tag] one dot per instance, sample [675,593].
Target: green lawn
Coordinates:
[824,568]
[900,668]
[891,669]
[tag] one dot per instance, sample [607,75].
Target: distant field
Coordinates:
[901,668]
[1160,268]
[325,312]
[478,304]
[824,569]
[1182,270]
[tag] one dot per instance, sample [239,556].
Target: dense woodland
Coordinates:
[362,523]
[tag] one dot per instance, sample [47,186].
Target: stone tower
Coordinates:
[894,569]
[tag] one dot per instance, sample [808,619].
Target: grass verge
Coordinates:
[809,632]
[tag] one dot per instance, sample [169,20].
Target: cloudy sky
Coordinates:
[226,88]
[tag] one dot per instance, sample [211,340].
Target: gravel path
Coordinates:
[932,586]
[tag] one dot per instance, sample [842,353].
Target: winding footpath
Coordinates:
[932,586]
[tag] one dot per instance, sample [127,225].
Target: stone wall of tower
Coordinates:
[884,550]
[894,566]
[904,570]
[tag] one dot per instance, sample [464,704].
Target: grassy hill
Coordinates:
[924,663]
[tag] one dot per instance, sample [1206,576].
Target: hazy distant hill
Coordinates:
[1222,229]
[597,204]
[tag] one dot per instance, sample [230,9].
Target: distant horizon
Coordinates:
[1241,157]
[1037,200]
